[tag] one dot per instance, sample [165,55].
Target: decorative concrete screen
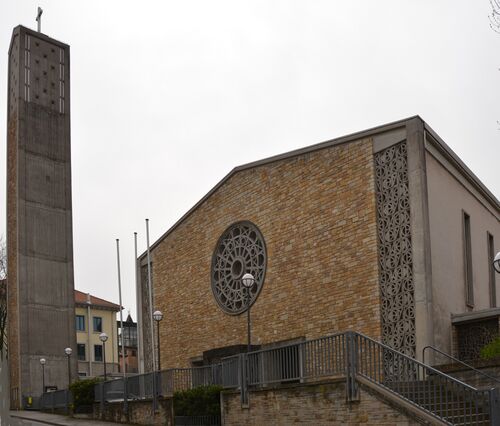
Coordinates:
[395,249]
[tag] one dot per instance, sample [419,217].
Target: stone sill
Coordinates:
[479,364]
[273,386]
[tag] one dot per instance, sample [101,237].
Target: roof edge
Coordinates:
[290,154]
[462,167]
[21,28]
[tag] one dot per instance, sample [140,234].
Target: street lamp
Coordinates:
[68,352]
[496,262]
[42,363]
[248,281]
[103,337]
[158,316]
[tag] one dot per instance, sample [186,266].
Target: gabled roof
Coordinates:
[82,300]
[436,140]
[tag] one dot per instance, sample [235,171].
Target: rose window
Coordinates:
[241,249]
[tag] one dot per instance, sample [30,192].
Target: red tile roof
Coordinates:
[81,300]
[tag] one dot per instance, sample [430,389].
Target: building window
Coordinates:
[491,257]
[81,351]
[98,324]
[98,353]
[469,285]
[80,323]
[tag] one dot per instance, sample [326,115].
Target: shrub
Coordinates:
[200,401]
[83,392]
[491,350]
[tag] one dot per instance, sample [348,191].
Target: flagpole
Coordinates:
[150,288]
[138,295]
[121,307]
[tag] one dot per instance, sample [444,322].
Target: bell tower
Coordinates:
[41,316]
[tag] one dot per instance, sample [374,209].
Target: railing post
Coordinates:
[101,385]
[243,359]
[125,396]
[302,348]
[154,393]
[494,406]
[352,366]
[170,382]
[159,390]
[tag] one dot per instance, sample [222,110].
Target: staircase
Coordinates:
[429,394]
[453,405]
[442,398]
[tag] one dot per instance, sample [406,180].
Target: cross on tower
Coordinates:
[39,19]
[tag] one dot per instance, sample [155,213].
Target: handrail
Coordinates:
[431,369]
[286,345]
[457,360]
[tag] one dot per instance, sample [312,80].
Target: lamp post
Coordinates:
[42,363]
[103,337]
[158,316]
[496,262]
[248,281]
[68,352]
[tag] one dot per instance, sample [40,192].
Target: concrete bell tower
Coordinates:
[41,313]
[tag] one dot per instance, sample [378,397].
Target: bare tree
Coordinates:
[3,297]
[495,15]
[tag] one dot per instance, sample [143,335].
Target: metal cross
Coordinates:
[39,19]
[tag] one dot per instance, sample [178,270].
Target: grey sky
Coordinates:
[167,97]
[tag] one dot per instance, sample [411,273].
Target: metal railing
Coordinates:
[178,379]
[440,395]
[350,355]
[197,421]
[59,399]
[231,371]
[470,367]
[313,359]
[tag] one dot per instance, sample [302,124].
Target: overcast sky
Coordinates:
[167,97]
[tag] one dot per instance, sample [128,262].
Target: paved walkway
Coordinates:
[55,419]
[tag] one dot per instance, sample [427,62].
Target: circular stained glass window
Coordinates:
[241,249]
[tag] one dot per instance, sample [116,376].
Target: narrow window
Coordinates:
[81,351]
[491,257]
[80,323]
[97,324]
[469,285]
[98,353]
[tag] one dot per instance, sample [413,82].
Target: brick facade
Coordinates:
[317,214]
[139,412]
[310,405]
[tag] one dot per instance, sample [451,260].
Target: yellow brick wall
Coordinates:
[312,405]
[108,327]
[317,214]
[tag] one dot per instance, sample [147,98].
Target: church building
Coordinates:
[385,232]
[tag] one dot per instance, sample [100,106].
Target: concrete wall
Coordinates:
[39,218]
[449,195]
[310,405]
[317,215]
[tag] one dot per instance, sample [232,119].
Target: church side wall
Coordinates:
[449,196]
[317,215]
